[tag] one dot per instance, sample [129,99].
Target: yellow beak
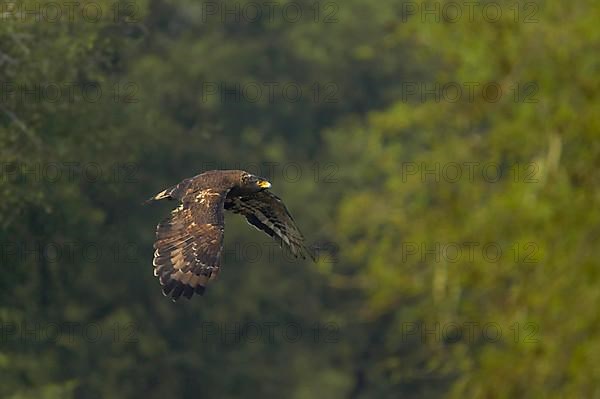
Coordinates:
[264,184]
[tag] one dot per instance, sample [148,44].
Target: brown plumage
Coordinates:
[189,243]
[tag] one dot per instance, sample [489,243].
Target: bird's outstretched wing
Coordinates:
[267,212]
[189,243]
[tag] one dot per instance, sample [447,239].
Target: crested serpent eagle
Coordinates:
[189,242]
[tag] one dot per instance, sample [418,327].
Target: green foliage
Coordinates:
[377,152]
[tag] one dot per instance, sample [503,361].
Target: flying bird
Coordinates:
[187,250]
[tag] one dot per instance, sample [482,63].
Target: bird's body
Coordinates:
[189,243]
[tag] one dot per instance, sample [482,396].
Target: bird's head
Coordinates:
[252,183]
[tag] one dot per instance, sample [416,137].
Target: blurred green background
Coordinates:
[442,157]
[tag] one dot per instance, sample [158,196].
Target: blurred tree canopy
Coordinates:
[427,140]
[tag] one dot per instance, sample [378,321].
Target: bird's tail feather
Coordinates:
[175,192]
[162,195]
